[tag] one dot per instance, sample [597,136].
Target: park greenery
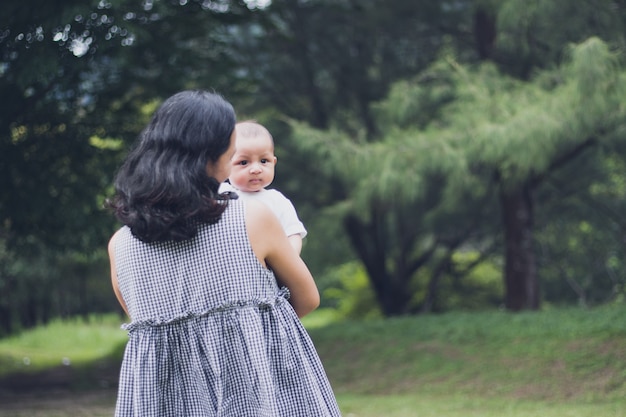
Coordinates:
[449,155]
[553,363]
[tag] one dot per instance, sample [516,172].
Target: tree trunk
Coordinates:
[432,292]
[368,240]
[319,116]
[521,283]
[6,304]
[484,33]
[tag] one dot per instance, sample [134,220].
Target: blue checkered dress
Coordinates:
[212,334]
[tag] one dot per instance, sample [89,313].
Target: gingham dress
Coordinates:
[212,334]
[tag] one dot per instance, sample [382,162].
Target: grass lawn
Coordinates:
[76,342]
[555,363]
[424,405]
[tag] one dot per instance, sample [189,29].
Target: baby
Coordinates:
[252,171]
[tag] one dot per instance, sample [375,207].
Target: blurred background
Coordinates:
[465,155]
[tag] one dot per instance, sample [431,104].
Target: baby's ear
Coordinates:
[275,160]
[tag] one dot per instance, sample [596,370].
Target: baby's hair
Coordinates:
[252,129]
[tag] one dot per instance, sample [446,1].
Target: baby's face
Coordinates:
[252,166]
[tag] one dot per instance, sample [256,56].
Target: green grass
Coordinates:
[555,363]
[74,342]
[562,362]
[453,405]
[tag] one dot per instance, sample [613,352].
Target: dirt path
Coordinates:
[60,392]
[58,403]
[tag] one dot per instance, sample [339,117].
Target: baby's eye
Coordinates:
[242,163]
[264,161]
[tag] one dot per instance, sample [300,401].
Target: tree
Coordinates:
[534,35]
[581,235]
[520,39]
[495,137]
[555,131]
[406,209]
[325,62]
[78,81]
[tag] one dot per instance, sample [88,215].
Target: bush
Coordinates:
[350,293]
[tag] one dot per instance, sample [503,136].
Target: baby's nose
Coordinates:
[255,167]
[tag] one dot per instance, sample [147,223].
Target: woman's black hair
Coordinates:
[162,190]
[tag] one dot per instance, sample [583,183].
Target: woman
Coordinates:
[211,285]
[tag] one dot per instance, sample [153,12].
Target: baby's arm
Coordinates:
[286,212]
[296,242]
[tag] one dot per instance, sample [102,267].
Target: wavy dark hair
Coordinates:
[162,190]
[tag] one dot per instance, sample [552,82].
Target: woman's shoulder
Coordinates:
[116,236]
[261,221]
[256,210]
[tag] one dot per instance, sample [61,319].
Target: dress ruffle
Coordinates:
[267,303]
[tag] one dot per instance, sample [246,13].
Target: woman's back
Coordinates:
[212,334]
[170,279]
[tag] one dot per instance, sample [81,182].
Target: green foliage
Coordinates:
[581,233]
[347,290]
[469,284]
[350,292]
[419,126]
[420,101]
[532,34]
[326,246]
[580,263]
[74,73]
[39,286]
[328,78]
[78,81]
[487,126]
[482,288]
[492,121]
[520,129]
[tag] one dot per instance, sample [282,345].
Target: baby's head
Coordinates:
[254,160]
